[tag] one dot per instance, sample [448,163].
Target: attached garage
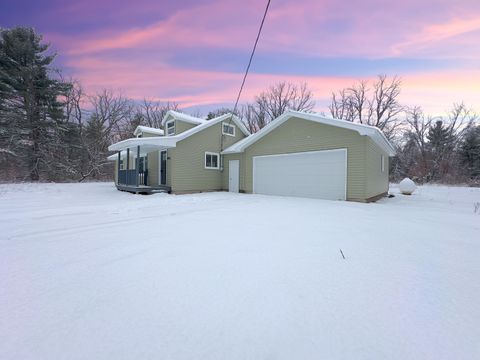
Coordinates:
[316,174]
[308,155]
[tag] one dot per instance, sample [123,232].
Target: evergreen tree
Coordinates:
[29,107]
[439,138]
[441,145]
[470,152]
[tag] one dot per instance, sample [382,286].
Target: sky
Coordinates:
[195,52]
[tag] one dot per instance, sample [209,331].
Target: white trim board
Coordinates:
[229,125]
[205,160]
[157,142]
[374,133]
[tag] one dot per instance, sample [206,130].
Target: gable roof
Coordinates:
[183,117]
[171,141]
[371,131]
[208,123]
[150,130]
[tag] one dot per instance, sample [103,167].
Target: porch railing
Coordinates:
[129,177]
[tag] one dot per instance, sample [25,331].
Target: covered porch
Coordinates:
[132,171]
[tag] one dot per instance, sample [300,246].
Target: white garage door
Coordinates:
[317,174]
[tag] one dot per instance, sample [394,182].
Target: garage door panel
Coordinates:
[319,174]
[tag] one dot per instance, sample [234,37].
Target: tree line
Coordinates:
[52,130]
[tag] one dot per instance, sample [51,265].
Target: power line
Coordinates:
[246,71]
[251,56]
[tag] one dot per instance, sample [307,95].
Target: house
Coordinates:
[186,158]
[297,154]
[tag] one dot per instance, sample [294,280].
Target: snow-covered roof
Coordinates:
[141,129]
[156,142]
[373,132]
[183,117]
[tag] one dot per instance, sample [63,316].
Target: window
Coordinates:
[228,129]
[211,160]
[121,164]
[383,163]
[170,127]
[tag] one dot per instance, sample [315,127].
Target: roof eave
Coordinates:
[156,141]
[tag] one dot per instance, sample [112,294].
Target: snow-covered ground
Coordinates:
[87,272]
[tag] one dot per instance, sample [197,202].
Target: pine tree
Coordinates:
[470,152]
[440,144]
[29,107]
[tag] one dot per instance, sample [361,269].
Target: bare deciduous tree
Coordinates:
[154,112]
[74,98]
[251,118]
[377,106]
[110,115]
[282,97]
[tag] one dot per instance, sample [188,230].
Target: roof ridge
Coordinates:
[360,128]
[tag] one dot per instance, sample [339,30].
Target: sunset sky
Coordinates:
[195,52]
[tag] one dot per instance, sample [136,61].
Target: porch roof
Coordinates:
[146,144]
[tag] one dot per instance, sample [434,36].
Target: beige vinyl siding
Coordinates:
[147,134]
[186,163]
[181,126]
[298,135]
[377,181]
[152,165]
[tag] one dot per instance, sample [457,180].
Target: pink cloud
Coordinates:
[432,34]
[324,28]
[435,91]
[194,26]
[319,28]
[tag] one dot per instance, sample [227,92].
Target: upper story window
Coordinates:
[228,129]
[170,126]
[383,163]
[211,160]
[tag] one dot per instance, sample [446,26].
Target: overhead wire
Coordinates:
[247,69]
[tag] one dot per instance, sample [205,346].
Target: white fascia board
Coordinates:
[171,141]
[146,129]
[241,125]
[157,141]
[183,117]
[209,123]
[374,133]
[227,117]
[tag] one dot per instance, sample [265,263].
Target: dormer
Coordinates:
[175,122]
[145,131]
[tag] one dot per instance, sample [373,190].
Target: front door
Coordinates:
[163,168]
[233,175]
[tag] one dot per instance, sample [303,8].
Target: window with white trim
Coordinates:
[212,160]
[383,163]
[170,126]
[228,129]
